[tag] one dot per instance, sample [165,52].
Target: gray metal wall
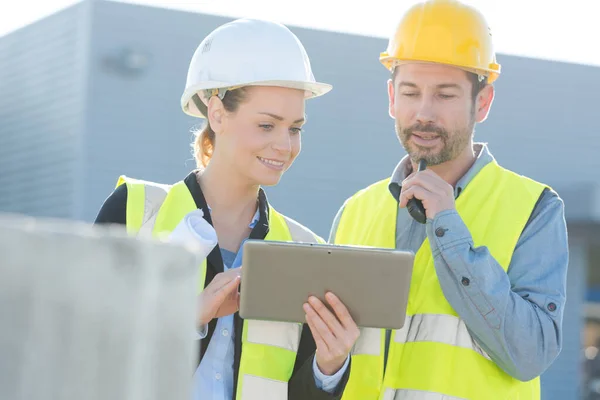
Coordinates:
[42,72]
[72,123]
[541,122]
[142,113]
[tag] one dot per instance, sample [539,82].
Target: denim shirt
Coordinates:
[515,316]
[213,379]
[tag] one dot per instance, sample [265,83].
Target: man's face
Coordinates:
[435,111]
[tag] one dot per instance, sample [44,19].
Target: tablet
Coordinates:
[278,278]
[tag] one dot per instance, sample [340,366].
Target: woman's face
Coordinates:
[261,139]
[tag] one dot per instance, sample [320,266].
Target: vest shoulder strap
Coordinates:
[297,231]
[144,199]
[359,210]
[373,192]
[300,233]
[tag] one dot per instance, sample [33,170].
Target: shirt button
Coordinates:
[225,332]
[465,281]
[439,232]
[218,376]
[551,307]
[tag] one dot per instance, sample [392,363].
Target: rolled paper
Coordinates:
[194,231]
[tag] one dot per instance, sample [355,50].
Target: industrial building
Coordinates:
[92,92]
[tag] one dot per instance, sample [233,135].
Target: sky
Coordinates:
[547,29]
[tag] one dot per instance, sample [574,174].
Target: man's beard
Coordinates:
[452,144]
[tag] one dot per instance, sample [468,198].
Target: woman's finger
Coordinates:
[341,312]
[223,279]
[226,290]
[321,327]
[327,316]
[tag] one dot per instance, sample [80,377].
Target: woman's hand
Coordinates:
[220,297]
[334,335]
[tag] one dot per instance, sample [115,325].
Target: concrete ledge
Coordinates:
[90,313]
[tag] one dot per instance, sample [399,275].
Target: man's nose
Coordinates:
[426,113]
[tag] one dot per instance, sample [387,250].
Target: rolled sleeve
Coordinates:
[447,230]
[329,383]
[201,333]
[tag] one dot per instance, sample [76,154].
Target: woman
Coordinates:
[249,79]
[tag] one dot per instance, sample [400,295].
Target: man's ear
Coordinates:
[483,103]
[391,98]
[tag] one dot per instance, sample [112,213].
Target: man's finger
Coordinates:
[428,180]
[414,191]
[432,179]
[423,180]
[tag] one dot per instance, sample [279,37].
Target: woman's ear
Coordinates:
[216,111]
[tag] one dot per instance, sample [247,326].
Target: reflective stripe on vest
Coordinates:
[268,348]
[437,328]
[407,394]
[433,356]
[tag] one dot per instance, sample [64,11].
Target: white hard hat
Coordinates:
[248,52]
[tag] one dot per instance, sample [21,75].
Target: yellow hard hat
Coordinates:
[446,32]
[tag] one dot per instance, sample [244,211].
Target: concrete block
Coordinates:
[89,313]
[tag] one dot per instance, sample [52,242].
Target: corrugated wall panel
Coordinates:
[41,110]
[136,126]
[349,140]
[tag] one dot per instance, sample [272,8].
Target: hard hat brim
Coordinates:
[492,72]
[312,90]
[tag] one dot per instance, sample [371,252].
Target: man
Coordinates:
[488,288]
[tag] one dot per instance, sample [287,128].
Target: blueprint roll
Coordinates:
[195,233]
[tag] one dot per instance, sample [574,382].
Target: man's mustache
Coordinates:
[426,128]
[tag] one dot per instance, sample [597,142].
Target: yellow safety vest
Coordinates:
[268,348]
[433,357]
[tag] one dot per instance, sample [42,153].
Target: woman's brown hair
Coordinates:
[204,144]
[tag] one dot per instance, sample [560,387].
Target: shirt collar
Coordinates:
[254,219]
[260,216]
[404,168]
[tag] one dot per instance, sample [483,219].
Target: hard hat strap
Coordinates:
[219,92]
[208,93]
